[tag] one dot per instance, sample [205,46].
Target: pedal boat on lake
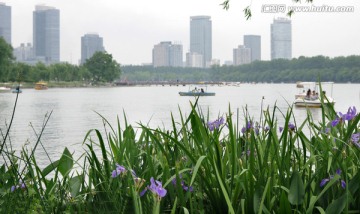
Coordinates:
[197,92]
[16,90]
[302,99]
[41,85]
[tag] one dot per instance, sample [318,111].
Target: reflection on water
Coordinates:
[74,110]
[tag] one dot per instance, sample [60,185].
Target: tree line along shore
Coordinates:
[102,68]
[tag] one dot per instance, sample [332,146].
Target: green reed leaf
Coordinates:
[75,185]
[66,162]
[52,166]
[297,190]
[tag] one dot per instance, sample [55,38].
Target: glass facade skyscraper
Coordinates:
[281,39]
[46,33]
[5,22]
[201,37]
[254,43]
[90,43]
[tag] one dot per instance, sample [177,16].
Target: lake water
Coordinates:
[74,109]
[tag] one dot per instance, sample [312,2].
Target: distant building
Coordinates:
[46,34]
[215,62]
[254,43]
[281,41]
[5,22]
[176,55]
[166,54]
[228,62]
[90,43]
[194,60]
[24,53]
[241,55]
[201,37]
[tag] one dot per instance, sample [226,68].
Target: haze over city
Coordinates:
[130,29]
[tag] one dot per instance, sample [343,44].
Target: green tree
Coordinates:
[6,58]
[102,67]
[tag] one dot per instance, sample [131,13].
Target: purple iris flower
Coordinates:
[355,138]
[343,184]
[281,129]
[190,189]
[257,130]
[21,185]
[351,113]
[267,128]
[338,171]
[215,124]
[119,169]
[248,126]
[291,127]
[142,193]
[335,122]
[186,188]
[156,188]
[243,130]
[325,180]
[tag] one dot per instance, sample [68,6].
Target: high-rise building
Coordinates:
[5,22]
[254,43]
[201,37]
[46,33]
[176,55]
[281,39]
[194,60]
[24,53]
[241,55]
[166,54]
[90,43]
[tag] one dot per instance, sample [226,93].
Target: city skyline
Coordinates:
[131,29]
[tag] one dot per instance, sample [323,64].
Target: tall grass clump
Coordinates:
[200,165]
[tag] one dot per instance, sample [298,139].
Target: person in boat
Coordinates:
[308,94]
[313,96]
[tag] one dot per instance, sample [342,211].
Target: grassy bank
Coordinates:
[200,165]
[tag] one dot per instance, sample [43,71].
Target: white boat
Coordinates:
[310,95]
[5,89]
[197,92]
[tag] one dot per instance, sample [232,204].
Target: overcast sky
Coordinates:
[130,28]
